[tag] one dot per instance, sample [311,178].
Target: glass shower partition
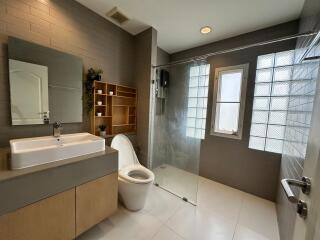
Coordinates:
[179,106]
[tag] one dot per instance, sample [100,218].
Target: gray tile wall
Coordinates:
[145,58]
[300,110]
[67,26]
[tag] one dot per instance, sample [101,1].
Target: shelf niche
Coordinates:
[118,109]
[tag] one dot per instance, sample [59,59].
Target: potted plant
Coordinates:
[94,74]
[103,128]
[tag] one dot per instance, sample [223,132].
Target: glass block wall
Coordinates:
[197,101]
[271,98]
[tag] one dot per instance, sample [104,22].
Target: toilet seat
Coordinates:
[146,176]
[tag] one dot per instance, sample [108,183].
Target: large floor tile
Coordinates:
[222,200]
[162,204]
[125,225]
[243,233]
[260,216]
[166,233]
[192,224]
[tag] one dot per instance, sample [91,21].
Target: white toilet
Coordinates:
[135,180]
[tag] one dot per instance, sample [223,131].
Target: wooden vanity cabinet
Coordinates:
[96,201]
[65,215]
[52,218]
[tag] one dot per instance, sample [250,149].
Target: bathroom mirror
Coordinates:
[45,84]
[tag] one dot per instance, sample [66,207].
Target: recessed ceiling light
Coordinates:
[205,30]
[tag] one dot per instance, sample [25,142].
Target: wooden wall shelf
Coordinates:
[118,110]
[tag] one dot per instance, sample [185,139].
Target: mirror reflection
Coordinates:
[45,84]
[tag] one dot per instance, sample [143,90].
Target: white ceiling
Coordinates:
[179,21]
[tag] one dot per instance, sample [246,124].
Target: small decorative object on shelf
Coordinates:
[99,91]
[103,132]
[117,109]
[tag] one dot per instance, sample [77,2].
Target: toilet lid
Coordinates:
[127,155]
[136,174]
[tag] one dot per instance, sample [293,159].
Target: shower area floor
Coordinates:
[179,182]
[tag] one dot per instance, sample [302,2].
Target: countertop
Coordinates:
[9,174]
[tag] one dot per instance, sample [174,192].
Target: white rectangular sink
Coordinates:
[29,152]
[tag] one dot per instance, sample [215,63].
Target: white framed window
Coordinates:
[229,101]
[197,101]
[271,99]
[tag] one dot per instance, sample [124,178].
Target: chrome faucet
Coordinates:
[57,127]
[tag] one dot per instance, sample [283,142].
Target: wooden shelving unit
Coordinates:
[118,110]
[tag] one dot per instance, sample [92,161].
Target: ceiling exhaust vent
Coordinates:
[117,16]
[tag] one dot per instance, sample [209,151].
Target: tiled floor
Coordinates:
[223,213]
[178,181]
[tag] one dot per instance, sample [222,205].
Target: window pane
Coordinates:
[257,143]
[280,88]
[227,117]
[261,103]
[193,82]
[284,58]
[282,74]
[202,92]
[279,103]
[265,61]
[192,112]
[262,89]
[191,122]
[193,91]
[230,86]
[194,71]
[274,145]
[192,102]
[202,102]
[259,117]
[203,81]
[264,75]
[204,69]
[276,131]
[278,117]
[258,130]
